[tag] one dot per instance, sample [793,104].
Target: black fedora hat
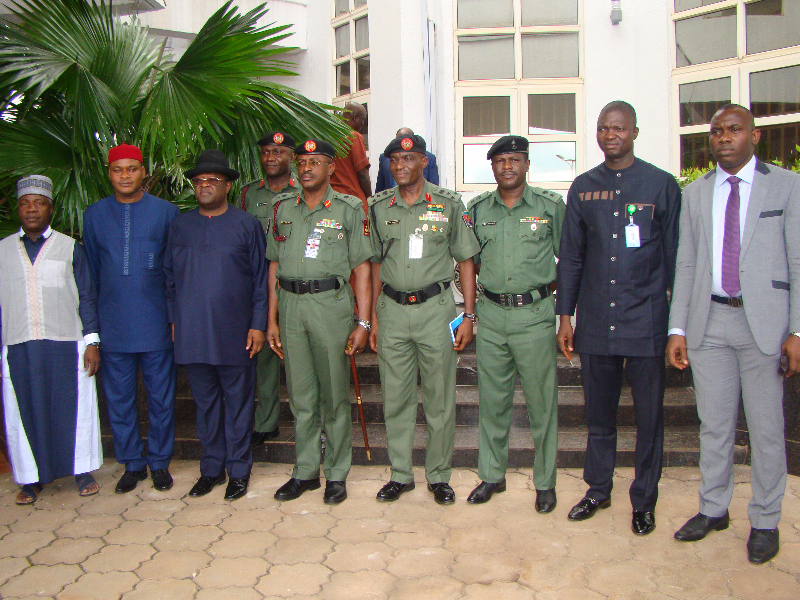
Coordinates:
[213,161]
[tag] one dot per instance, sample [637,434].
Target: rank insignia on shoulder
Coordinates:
[467,219]
[366,227]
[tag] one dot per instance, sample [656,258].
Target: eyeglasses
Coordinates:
[313,163]
[212,181]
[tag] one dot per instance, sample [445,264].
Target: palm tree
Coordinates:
[75,80]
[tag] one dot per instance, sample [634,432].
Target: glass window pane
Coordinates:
[548,12]
[705,38]
[551,113]
[485,13]
[477,169]
[551,161]
[695,151]
[775,92]
[550,55]
[687,4]
[701,99]
[342,40]
[486,57]
[362,34]
[779,142]
[342,6]
[362,67]
[358,3]
[343,78]
[772,24]
[487,115]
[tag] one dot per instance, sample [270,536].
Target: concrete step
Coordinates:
[681,446]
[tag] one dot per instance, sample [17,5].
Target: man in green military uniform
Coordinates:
[519,230]
[318,238]
[417,229]
[258,198]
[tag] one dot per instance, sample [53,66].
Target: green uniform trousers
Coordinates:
[268,407]
[510,341]
[411,338]
[314,332]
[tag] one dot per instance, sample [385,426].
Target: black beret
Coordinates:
[277,138]
[315,147]
[406,143]
[508,143]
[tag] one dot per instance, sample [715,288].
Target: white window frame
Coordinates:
[518,89]
[350,18]
[738,69]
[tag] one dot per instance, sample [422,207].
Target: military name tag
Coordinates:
[415,246]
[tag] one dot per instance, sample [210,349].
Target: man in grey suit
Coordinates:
[735,311]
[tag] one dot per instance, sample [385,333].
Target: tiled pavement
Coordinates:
[155,545]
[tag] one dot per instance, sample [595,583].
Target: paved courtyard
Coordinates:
[153,545]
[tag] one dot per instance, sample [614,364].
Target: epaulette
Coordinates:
[548,194]
[381,196]
[351,200]
[255,182]
[478,198]
[284,196]
[445,193]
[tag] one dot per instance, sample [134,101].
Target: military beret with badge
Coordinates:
[507,144]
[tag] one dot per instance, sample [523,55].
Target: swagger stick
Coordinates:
[360,407]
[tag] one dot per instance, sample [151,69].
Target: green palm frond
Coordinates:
[75,80]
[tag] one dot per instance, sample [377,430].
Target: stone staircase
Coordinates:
[681,443]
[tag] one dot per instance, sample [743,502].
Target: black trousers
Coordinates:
[225,398]
[602,384]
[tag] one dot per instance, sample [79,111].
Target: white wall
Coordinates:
[630,62]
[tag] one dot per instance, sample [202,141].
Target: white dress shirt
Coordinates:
[722,190]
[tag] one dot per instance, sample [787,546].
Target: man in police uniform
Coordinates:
[277,155]
[318,238]
[616,263]
[519,231]
[417,229]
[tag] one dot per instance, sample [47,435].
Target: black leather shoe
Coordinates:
[335,492]
[484,491]
[393,490]
[545,500]
[237,487]
[294,488]
[442,493]
[700,525]
[162,480]
[205,484]
[127,483]
[586,508]
[643,522]
[259,437]
[763,545]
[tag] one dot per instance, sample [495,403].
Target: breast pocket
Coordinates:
[534,232]
[152,257]
[487,238]
[642,217]
[333,247]
[284,235]
[53,273]
[433,242]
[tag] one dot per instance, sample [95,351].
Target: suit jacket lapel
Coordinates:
[706,206]
[758,195]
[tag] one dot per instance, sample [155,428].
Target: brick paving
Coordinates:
[152,545]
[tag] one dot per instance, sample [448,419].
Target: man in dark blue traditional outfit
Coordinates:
[216,273]
[125,236]
[50,350]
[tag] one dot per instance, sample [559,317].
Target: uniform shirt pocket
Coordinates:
[333,247]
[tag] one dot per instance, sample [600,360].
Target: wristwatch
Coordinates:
[470,316]
[365,324]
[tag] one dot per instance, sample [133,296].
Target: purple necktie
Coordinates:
[731,244]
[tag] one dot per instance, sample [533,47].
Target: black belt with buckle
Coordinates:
[735,302]
[309,287]
[517,299]
[417,297]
